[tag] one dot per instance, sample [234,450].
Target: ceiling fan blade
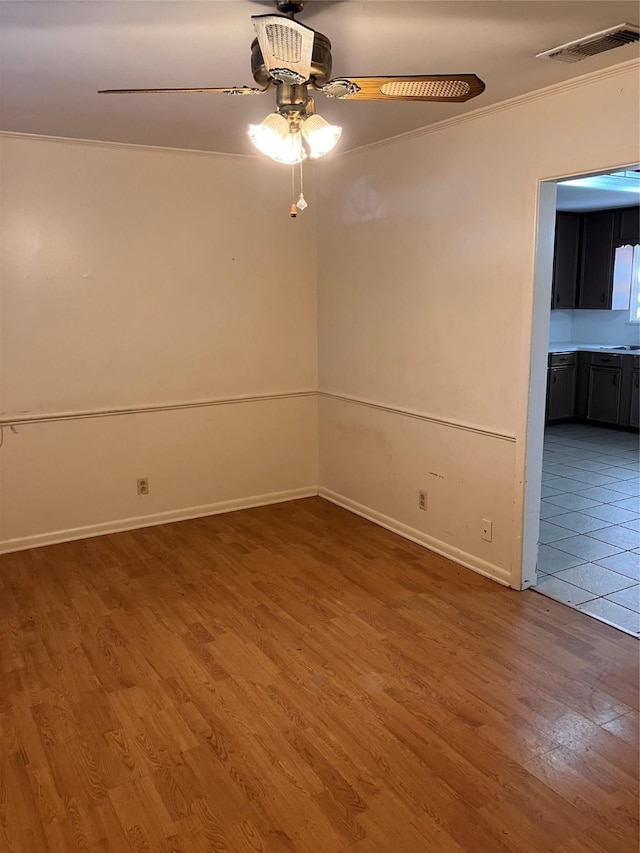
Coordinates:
[286,47]
[424,87]
[229,90]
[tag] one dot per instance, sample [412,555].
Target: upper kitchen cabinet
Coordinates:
[595,287]
[627,227]
[566,260]
[585,247]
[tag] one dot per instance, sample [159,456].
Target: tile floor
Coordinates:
[589,553]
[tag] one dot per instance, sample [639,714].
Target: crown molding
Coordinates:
[310,165]
[130,146]
[500,106]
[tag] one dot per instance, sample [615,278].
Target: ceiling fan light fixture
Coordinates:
[290,150]
[269,135]
[293,61]
[319,135]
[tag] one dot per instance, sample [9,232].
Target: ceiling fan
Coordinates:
[293,59]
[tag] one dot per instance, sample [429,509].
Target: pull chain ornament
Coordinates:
[301,204]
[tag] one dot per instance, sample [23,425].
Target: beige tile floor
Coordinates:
[589,552]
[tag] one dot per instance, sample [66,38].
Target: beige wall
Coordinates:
[136,278]
[426,278]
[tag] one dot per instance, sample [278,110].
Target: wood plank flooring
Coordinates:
[293,678]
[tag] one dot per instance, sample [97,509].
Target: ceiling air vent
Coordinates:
[583,48]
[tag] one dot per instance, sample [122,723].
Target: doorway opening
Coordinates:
[582,495]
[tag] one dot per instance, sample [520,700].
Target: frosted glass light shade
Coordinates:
[320,135]
[274,138]
[268,136]
[290,150]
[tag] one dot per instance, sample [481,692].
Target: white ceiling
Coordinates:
[56,55]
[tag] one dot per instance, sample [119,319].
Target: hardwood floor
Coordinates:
[293,678]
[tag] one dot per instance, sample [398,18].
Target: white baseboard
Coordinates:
[462,558]
[437,546]
[119,526]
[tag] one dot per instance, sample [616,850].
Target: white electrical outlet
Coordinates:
[143,486]
[487,530]
[422,500]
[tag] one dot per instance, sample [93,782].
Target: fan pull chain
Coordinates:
[293,212]
[302,202]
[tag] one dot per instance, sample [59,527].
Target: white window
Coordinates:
[634,314]
[626,282]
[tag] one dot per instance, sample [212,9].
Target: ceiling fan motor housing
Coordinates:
[320,62]
[290,7]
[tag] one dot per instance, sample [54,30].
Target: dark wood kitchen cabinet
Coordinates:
[605,388]
[561,386]
[566,260]
[634,415]
[601,387]
[582,384]
[595,288]
[627,228]
[584,255]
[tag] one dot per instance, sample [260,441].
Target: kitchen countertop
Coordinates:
[587,347]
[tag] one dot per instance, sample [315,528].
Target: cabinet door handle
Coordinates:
[605,360]
[615,379]
[602,298]
[555,378]
[557,297]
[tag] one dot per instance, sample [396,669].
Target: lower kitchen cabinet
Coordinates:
[561,386]
[634,417]
[602,388]
[604,394]
[582,385]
